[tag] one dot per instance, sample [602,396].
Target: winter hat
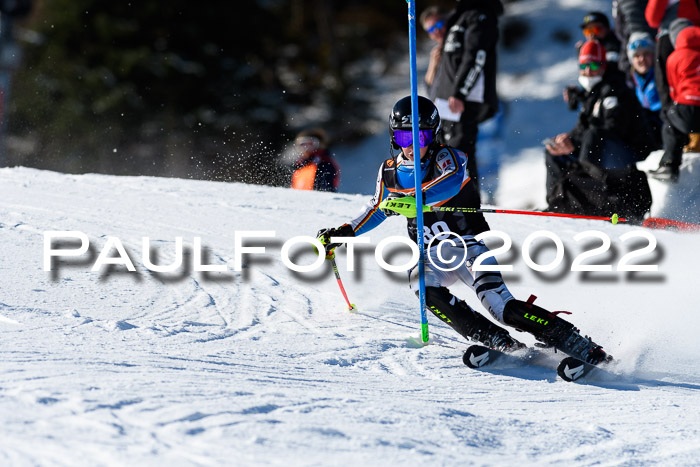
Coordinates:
[676,26]
[638,42]
[595,17]
[591,51]
[315,137]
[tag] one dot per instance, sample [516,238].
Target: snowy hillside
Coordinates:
[265,367]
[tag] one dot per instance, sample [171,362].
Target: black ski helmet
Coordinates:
[400,117]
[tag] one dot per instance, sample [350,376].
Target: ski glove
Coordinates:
[392,196]
[324,236]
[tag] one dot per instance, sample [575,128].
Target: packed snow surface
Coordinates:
[266,366]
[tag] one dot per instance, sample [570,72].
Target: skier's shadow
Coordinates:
[608,380]
[629,382]
[548,374]
[531,373]
[657,383]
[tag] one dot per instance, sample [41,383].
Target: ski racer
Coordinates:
[446,182]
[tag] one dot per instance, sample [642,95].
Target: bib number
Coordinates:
[439,229]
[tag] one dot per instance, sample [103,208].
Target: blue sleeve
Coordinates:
[371,216]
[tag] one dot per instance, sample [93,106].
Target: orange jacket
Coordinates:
[320,172]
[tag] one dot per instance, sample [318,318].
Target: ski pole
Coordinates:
[406,206]
[331,256]
[417,176]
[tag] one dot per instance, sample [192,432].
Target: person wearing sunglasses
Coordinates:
[628,17]
[433,20]
[596,26]
[591,169]
[465,80]
[446,182]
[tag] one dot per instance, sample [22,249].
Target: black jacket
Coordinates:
[611,106]
[611,122]
[613,50]
[468,66]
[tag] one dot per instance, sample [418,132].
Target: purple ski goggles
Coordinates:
[404,138]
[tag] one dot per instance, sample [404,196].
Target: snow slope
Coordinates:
[265,367]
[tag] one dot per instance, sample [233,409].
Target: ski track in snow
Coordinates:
[263,366]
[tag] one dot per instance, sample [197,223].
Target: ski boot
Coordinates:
[503,341]
[553,331]
[467,322]
[583,348]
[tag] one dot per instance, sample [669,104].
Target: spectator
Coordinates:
[591,170]
[640,53]
[629,19]
[683,116]
[676,26]
[659,14]
[464,89]
[315,169]
[596,26]
[433,20]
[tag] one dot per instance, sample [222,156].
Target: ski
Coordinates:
[572,369]
[569,369]
[478,356]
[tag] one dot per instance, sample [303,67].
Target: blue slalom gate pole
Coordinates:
[417,169]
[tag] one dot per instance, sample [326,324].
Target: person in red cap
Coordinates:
[591,169]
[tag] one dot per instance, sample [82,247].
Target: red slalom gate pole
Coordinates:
[614,218]
[407,207]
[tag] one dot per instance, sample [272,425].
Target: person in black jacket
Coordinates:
[466,77]
[591,170]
